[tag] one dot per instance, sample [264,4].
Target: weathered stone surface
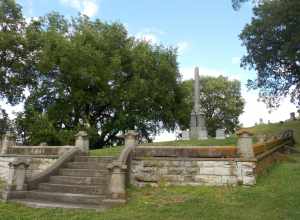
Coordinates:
[220,134]
[192,172]
[185,135]
[37,165]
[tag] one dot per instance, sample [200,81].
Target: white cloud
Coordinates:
[86,7]
[254,110]
[182,47]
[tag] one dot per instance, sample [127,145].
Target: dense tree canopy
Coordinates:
[221,101]
[92,75]
[16,53]
[272,40]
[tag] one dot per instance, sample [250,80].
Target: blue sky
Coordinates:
[205,32]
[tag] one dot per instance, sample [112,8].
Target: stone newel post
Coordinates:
[118,168]
[17,174]
[245,144]
[82,141]
[117,181]
[8,141]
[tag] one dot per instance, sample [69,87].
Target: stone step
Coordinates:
[35,203]
[66,197]
[107,159]
[69,180]
[83,172]
[77,189]
[88,165]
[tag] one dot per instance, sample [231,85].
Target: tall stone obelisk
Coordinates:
[197,124]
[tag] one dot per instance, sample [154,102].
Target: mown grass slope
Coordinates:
[275,197]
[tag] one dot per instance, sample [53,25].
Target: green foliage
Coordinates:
[4,122]
[221,101]
[272,40]
[35,128]
[91,75]
[16,54]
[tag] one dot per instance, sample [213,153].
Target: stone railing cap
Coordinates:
[118,164]
[129,133]
[82,134]
[19,161]
[244,131]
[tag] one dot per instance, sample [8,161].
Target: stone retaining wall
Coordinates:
[191,171]
[38,164]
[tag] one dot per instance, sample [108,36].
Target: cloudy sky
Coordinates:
[205,32]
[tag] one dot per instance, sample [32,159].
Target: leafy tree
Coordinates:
[221,101]
[93,76]
[16,53]
[272,40]
[4,122]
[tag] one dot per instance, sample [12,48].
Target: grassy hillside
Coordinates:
[273,198]
[269,129]
[278,127]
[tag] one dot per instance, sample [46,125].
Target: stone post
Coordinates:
[245,144]
[82,141]
[8,141]
[17,173]
[119,168]
[117,185]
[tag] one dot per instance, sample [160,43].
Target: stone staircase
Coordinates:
[81,183]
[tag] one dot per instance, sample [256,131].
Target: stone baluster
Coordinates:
[8,141]
[245,144]
[82,141]
[119,168]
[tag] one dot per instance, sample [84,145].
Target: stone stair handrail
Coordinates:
[34,181]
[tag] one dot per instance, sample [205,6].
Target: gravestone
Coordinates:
[292,116]
[261,121]
[185,135]
[220,134]
[198,129]
[298,114]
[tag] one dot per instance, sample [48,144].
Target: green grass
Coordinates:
[277,127]
[109,151]
[276,196]
[208,142]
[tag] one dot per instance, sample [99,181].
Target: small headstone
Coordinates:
[220,134]
[202,135]
[298,114]
[269,122]
[185,135]
[261,121]
[292,116]
[43,144]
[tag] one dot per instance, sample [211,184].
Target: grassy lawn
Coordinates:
[208,142]
[276,196]
[109,151]
[277,127]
